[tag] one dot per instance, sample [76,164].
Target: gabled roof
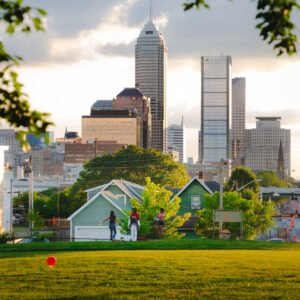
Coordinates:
[205,187]
[129,188]
[105,196]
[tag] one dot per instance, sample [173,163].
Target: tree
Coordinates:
[271,178]
[274,22]
[241,176]
[156,197]
[14,106]
[257,215]
[130,163]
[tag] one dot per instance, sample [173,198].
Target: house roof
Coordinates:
[213,186]
[105,196]
[132,190]
[205,187]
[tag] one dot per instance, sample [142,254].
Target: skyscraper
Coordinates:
[215,108]
[150,78]
[176,139]
[238,116]
[268,137]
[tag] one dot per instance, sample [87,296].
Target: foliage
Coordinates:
[46,203]
[271,178]
[240,178]
[130,163]
[36,219]
[154,198]
[37,224]
[14,106]
[274,22]
[257,216]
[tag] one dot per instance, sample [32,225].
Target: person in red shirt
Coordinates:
[134,223]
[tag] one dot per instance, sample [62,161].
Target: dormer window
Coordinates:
[149,32]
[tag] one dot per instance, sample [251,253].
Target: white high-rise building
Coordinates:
[238,116]
[150,78]
[176,139]
[215,108]
[263,143]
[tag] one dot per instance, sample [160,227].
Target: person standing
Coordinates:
[112,225]
[134,223]
[161,222]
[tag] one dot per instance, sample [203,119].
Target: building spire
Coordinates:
[150,11]
[280,162]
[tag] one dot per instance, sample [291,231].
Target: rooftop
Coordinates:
[130,92]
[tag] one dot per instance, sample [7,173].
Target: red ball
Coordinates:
[51,261]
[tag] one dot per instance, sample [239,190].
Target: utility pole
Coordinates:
[11,208]
[221,192]
[30,190]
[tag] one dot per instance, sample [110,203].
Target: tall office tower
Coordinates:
[215,108]
[150,78]
[263,146]
[238,116]
[133,99]
[176,140]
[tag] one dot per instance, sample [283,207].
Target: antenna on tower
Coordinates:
[151,11]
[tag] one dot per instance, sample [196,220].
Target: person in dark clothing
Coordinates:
[112,225]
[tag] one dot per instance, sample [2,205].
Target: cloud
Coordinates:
[79,29]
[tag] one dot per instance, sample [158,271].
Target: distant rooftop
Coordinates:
[268,118]
[102,105]
[71,135]
[130,92]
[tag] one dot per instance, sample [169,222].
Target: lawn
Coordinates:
[163,274]
[196,244]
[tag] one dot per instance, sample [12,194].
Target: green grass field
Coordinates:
[160,274]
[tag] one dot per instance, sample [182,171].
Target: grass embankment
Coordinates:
[196,244]
[182,274]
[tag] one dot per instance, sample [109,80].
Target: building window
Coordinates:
[195,202]
[122,198]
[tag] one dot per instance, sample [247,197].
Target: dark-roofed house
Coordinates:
[133,99]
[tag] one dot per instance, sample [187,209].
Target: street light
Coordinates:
[222,168]
[248,184]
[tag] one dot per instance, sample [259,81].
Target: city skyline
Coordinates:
[87,56]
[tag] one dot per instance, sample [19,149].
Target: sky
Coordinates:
[87,54]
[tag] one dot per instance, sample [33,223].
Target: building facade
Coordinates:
[215,108]
[263,146]
[238,116]
[122,126]
[132,99]
[176,140]
[150,78]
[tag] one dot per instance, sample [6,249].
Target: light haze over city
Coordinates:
[87,53]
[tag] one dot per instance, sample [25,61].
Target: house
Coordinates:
[192,199]
[87,223]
